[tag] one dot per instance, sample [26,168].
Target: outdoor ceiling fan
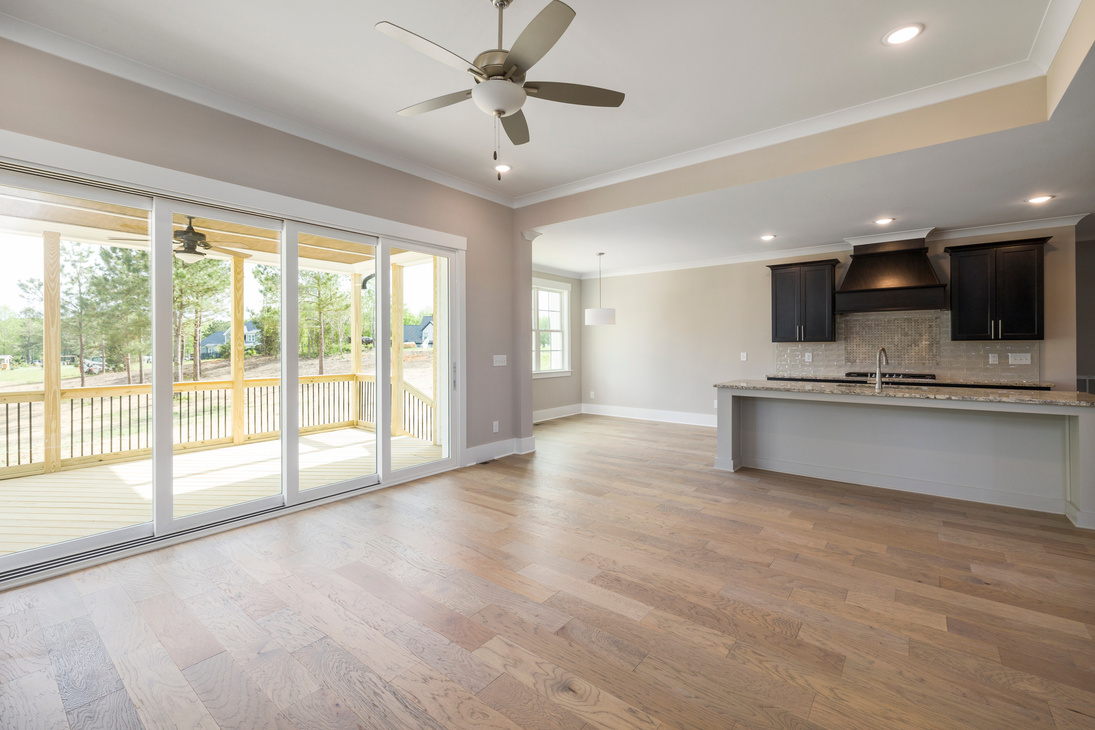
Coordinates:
[190,243]
[500,86]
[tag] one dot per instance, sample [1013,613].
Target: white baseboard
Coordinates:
[1085,520]
[916,486]
[649,414]
[561,412]
[498,449]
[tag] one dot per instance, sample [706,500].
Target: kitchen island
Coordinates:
[1029,449]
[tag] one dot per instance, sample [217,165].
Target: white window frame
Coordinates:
[559,287]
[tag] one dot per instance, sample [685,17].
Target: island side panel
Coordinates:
[1081,500]
[728,446]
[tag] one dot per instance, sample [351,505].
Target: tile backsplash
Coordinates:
[915,342]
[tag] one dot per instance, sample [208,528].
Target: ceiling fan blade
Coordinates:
[437,103]
[113,238]
[429,48]
[229,251]
[516,128]
[539,36]
[574,93]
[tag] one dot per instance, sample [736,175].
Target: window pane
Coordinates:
[544,299]
[545,361]
[556,361]
[545,340]
[555,321]
[545,322]
[557,341]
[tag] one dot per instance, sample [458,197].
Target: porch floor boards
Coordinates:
[45,509]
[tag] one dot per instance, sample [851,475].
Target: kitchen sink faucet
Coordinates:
[880,360]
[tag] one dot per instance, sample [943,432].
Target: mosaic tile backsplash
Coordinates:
[915,342]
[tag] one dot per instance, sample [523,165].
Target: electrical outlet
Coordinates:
[744,356]
[591,395]
[499,360]
[809,357]
[994,359]
[496,426]
[1018,358]
[716,403]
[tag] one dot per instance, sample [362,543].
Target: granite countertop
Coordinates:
[984,395]
[926,381]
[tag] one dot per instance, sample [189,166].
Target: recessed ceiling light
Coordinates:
[884,221]
[904,34]
[502,168]
[1040,199]
[767,237]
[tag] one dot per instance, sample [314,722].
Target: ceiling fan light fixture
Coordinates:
[884,221]
[1039,199]
[768,237]
[904,34]
[188,255]
[502,168]
[498,96]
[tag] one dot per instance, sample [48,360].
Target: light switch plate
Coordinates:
[1018,358]
[994,359]
[499,360]
[809,357]
[744,356]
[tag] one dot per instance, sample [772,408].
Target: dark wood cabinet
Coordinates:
[802,301]
[997,290]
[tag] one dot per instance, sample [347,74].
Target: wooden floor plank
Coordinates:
[612,578]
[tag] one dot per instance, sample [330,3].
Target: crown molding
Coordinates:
[70,49]
[1055,24]
[705,263]
[890,236]
[918,98]
[552,271]
[1064,221]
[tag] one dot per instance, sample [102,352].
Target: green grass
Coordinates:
[32,374]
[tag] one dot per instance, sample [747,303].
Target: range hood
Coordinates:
[890,276]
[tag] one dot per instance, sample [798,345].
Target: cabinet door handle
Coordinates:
[993,337]
[1000,329]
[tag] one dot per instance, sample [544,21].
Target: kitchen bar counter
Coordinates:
[942,382]
[1020,448]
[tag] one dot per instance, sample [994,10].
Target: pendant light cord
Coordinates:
[600,303]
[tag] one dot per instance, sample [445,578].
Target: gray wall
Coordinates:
[556,392]
[1085,310]
[50,98]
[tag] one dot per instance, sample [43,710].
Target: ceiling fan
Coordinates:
[500,86]
[190,242]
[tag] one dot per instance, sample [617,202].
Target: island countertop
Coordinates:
[963,382]
[981,395]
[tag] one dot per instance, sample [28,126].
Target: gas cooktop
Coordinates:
[894,376]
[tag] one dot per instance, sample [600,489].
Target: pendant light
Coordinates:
[600,315]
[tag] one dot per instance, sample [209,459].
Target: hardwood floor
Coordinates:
[613,579]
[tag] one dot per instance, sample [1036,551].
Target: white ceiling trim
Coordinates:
[538,269]
[705,263]
[1016,227]
[1051,34]
[79,52]
[946,91]
[890,236]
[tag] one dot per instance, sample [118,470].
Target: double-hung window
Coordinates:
[550,328]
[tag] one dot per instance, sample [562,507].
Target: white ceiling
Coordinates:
[703,80]
[976,182]
[697,75]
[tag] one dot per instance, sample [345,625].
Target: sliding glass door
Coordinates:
[75,376]
[167,365]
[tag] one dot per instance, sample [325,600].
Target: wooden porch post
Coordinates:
[51,349]
[355,345]
[239,412]
[397,350]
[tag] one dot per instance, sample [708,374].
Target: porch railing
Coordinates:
[115,422]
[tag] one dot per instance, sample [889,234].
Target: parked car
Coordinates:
[93,367]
